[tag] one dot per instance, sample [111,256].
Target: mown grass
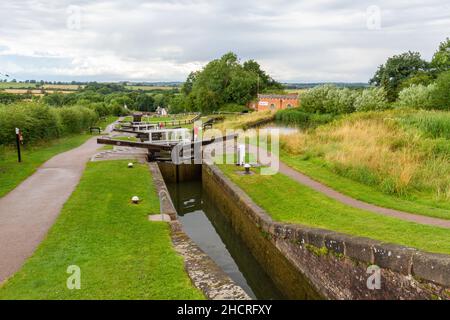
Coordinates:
[288,201]
[121,254]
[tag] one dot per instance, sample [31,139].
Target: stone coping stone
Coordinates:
[395,257]
[432,266]
[159,217]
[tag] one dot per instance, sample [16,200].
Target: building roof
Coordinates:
[278,96]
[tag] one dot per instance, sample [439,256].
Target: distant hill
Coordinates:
[156,84]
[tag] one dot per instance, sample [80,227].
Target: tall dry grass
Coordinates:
[377,150]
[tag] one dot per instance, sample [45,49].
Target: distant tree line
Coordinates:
[223,82]
[405,80]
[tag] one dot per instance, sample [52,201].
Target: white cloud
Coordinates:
[321,40]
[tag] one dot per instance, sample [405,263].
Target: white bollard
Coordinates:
[241,154]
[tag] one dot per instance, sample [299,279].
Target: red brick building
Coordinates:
[274,102]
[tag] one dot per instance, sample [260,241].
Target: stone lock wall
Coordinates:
[326,263]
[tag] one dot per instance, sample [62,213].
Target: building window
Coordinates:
[272,106]
[289,106]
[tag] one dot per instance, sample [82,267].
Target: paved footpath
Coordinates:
[28,211]
[319,187]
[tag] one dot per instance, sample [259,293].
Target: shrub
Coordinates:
[301,118]
[313,99]
[373,99]
[76,119]
[329,99]
[41,122]
[416,96]
[233,107]
[340,101]
[36,122]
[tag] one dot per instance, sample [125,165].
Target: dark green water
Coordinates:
[208,228]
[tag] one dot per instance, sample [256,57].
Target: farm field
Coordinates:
[35,92]
[151,88]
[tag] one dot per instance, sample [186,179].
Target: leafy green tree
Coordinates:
[144,102]
[264,80]
[187,85]
[395,70]
[440,98]
[441,59]
[224,81]
[421,78]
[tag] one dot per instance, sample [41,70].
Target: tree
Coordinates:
[441,59]
[187,85]
[396,69]
[440,98]
[224,81]
[144,102]
[421,78]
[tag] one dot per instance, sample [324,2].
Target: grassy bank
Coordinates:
[12,172]
[297,116]
[120,253]
[245,121]
[318,169]
[288,201]
[403,156]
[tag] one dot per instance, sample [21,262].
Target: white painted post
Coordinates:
[241,154]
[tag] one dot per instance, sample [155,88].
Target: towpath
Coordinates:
[28,211]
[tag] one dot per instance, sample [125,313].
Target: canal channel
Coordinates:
[206,226]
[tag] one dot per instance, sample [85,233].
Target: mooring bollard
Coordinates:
[135,199]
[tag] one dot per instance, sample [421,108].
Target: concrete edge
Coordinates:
[204,273]
[427,266]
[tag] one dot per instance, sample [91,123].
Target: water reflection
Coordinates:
[209,229]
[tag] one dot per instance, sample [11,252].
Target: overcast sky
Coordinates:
[294,40]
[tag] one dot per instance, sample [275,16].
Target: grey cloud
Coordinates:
[321,40]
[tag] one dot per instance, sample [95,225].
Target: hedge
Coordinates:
[40,122]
